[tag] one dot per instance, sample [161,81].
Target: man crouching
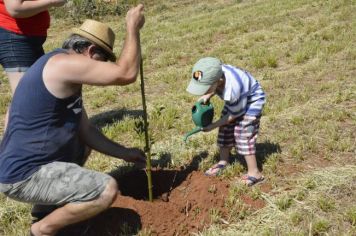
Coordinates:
[48,136]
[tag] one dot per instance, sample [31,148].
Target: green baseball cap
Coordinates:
[205,72]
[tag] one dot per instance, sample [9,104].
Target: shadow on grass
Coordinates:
[109,117]
[134,183]
[164,160]
[114,221]
[263,151]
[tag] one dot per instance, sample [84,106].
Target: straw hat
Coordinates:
[98,33]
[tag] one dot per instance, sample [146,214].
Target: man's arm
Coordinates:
[93,138]
[80,69]
[28,8]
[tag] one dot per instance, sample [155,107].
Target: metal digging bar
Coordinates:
[148,146]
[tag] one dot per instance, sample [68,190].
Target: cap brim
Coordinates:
[196,88]
[96,41]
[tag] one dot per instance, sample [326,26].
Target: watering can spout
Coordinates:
[193,131]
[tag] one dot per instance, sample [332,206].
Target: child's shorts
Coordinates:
[18,52]
[242,134]
[58,183]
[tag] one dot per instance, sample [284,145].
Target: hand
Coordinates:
[207,128]
[58,3]
[205,98]
[135,18]
[136,156]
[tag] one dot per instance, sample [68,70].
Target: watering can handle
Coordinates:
[202,102]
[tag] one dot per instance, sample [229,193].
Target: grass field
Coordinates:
[302,52]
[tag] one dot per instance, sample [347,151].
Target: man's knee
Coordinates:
[110,192]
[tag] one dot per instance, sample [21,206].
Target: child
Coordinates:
[240,118]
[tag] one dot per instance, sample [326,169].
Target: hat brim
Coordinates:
[96,41]
[196,88]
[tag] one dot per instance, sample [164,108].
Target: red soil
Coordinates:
[183,200]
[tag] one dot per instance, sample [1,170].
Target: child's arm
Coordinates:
[228,118]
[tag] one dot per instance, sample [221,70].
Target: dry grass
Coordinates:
[302,52]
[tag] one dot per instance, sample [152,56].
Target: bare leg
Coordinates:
[224,160]
[252,169]
[38,211]
[75,212]
[6,119]
[14,79]
[224,155]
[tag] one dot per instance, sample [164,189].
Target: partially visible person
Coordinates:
[240,118]
[45,143]
[23,30]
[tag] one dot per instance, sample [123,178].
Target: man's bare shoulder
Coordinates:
[80,69]
[67,65]
[66,59]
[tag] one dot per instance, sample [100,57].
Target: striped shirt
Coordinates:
[242,93]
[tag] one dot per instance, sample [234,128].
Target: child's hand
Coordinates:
[207,128]
[205,98]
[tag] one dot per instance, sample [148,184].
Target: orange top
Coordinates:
[36,25]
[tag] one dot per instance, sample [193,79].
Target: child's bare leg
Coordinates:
[252,169]
[224,155]
[224,160]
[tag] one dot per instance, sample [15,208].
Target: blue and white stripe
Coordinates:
[242,94]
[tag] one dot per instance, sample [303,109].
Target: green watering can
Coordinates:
[202,115]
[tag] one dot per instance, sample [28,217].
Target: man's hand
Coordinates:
[135,18]
[136,156]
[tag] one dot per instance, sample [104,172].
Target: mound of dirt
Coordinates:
[183,203]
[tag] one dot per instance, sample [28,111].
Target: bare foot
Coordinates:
[250,180]
[216,169]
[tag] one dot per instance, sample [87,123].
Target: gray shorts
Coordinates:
[58,183]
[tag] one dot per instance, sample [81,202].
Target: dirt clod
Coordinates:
[164,197]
